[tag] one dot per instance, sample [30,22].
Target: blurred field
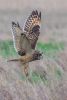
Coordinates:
[50,48]
[48,77]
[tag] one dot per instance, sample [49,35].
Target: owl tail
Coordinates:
[13,60]
[24,59]
[16,60]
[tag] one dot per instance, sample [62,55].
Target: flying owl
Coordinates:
[25,39]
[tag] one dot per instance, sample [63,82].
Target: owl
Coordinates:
[25,38]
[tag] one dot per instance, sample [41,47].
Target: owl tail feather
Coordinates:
[24,60]
[13,60]
[16,60]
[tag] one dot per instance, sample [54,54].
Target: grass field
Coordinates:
[49,50]
[47,78]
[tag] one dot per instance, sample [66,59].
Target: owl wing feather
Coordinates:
[32,27]
[21,42]
[25,41]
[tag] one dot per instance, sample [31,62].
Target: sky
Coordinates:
[48,5]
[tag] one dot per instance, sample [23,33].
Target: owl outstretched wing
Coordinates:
[21,42]
[32,27]
[25,41]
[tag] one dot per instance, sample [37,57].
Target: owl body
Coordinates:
[25,40]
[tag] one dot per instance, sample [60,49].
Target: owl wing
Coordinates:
[21,42]
[32,27]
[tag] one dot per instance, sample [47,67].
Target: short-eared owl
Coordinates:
[25,40]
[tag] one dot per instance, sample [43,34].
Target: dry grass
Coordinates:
[47,79]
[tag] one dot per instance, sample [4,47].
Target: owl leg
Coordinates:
[26,67]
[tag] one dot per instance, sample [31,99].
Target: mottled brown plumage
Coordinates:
[25,40]
[32,27]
